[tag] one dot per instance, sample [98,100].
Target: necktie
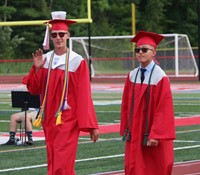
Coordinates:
[142,74]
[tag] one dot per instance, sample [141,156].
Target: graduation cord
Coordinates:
[40,115]
[147,105]
[38,120]
[127,132]
[59,112]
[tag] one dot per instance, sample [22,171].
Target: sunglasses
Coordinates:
[143,49]
[61,34]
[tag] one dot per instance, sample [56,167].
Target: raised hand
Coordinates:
[38,59]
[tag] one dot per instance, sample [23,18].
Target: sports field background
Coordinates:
[107,154]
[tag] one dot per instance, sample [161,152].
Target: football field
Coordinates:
[105,156]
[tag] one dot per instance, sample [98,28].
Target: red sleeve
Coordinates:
[85,108]
[32,81]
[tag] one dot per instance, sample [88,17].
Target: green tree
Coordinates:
[168,16]
[181,17]
[6,12]
[110,17]
[33,35]
[150,15]
[9,43]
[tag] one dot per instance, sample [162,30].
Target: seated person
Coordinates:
[20,118]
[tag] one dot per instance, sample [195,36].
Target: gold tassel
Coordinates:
[58,120]
[38,121]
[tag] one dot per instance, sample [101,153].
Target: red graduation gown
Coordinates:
[62,140]
[139,159]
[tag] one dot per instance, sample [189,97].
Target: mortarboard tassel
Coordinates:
[58,119]
[124,136]
[38,121]
[46,45]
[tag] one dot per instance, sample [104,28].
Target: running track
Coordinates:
[108,87]
[186,168]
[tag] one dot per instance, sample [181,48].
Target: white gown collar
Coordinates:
[59,60]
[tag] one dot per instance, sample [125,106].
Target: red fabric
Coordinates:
[143,37]
[62,140]
[60,24]
[146,40]
[141,160]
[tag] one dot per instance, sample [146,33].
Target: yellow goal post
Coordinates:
[41,22]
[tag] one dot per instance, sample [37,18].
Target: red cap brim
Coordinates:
[60,24]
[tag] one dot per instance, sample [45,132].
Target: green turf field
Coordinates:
[107,153]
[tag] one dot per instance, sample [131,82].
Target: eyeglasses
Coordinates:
[143,49]
[61,34]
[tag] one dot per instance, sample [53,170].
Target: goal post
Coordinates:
[41,22]
[113,56]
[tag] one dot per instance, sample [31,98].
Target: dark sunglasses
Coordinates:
[143,49]
[61,34]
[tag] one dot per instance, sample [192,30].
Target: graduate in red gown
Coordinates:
[147,114]
[61,77]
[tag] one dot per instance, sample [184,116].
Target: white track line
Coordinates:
[187,147]
[89,159]
[44,165]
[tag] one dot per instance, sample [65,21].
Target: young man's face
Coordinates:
[59,38]
[145,54]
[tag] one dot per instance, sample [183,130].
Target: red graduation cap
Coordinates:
[150,38]
[58,22]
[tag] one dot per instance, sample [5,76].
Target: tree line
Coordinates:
[110,18]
